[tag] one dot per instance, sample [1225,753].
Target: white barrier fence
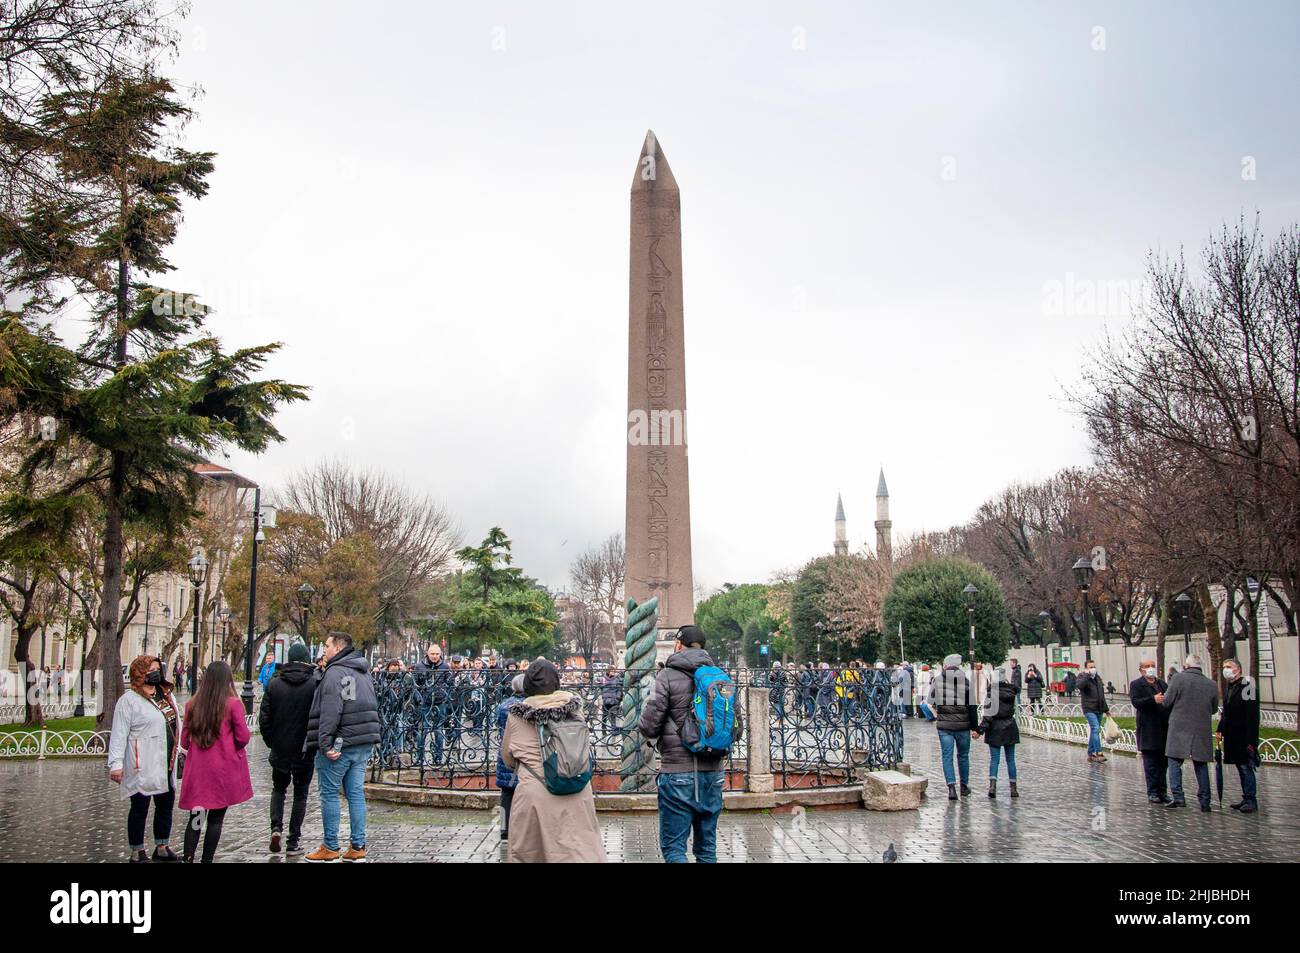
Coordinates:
[40,743]
[1268,717]
[1271,750]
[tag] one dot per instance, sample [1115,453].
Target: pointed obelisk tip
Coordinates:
[652,170]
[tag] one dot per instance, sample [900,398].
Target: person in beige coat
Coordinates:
[544,827]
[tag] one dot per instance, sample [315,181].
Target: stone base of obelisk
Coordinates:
[665,639]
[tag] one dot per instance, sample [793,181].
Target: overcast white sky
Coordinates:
[428,203]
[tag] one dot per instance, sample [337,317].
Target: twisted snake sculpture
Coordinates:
[636,768]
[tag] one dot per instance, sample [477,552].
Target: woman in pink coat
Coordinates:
[214,735]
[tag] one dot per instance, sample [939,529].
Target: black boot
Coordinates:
[1015,792]
[993,787]
[952,792]
[965,791]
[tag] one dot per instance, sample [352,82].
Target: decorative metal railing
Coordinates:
[830,724]
[12,714]
[441,729]
[1055,728]
[41,743]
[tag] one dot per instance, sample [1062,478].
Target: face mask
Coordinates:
[1150,673]
[1229,673]
[1092,671]
[153,678]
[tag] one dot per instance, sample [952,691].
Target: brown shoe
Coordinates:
[322,855]
[354,855]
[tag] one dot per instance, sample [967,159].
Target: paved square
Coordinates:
[67,810]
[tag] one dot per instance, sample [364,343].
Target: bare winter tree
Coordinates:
[582,630]
[597,577]
[1206,383]
[415,536]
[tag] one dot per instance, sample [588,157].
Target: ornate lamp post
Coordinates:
[223,616]
[1083,578]
[970,592]
[260,517]
[1184,603]
[305,593]
[198,572]
[167,615]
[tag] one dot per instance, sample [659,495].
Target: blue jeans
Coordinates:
[995,759]
[1094,732]
[1249,790]
[689,802]
[961,741]
[1202,770]
[348,772]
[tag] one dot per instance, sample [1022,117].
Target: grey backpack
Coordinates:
[566,756]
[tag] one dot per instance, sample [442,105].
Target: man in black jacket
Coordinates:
[282,719]
[956,716]
[343,729]
[1092,699]
[1239,732]
[1152,729]
[690,785]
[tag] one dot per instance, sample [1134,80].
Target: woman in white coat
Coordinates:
[142,756]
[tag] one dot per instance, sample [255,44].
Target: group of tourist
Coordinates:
[1173,726]
[543,824]
[320,720]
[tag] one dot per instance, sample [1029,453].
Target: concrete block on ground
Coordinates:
[892,791]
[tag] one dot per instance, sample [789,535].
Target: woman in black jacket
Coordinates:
[1034,687]
[1000,732]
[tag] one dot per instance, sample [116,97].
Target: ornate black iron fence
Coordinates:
[830,724]
[442,729]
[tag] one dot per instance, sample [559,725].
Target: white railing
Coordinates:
[41,743]
[12,714]
[1271,750]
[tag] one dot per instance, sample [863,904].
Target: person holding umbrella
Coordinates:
[1238,735]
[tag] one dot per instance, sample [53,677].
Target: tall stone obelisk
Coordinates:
[658,531]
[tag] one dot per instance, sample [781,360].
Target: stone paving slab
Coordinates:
[67,810]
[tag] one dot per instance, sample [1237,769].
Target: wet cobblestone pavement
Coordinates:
[67,810]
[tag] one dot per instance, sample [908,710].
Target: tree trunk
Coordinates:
[1213,638]
[33,716]
[110,608]
[1162,631]
[110,640]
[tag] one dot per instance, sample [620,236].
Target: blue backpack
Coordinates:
[711,720]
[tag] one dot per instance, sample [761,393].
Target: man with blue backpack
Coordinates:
[694,716]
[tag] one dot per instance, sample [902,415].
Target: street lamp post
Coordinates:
[1184,603]
[970,592]
[258,536]
[167,614]
[198,572]
[305,592]
[1083,577]
[223,616]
